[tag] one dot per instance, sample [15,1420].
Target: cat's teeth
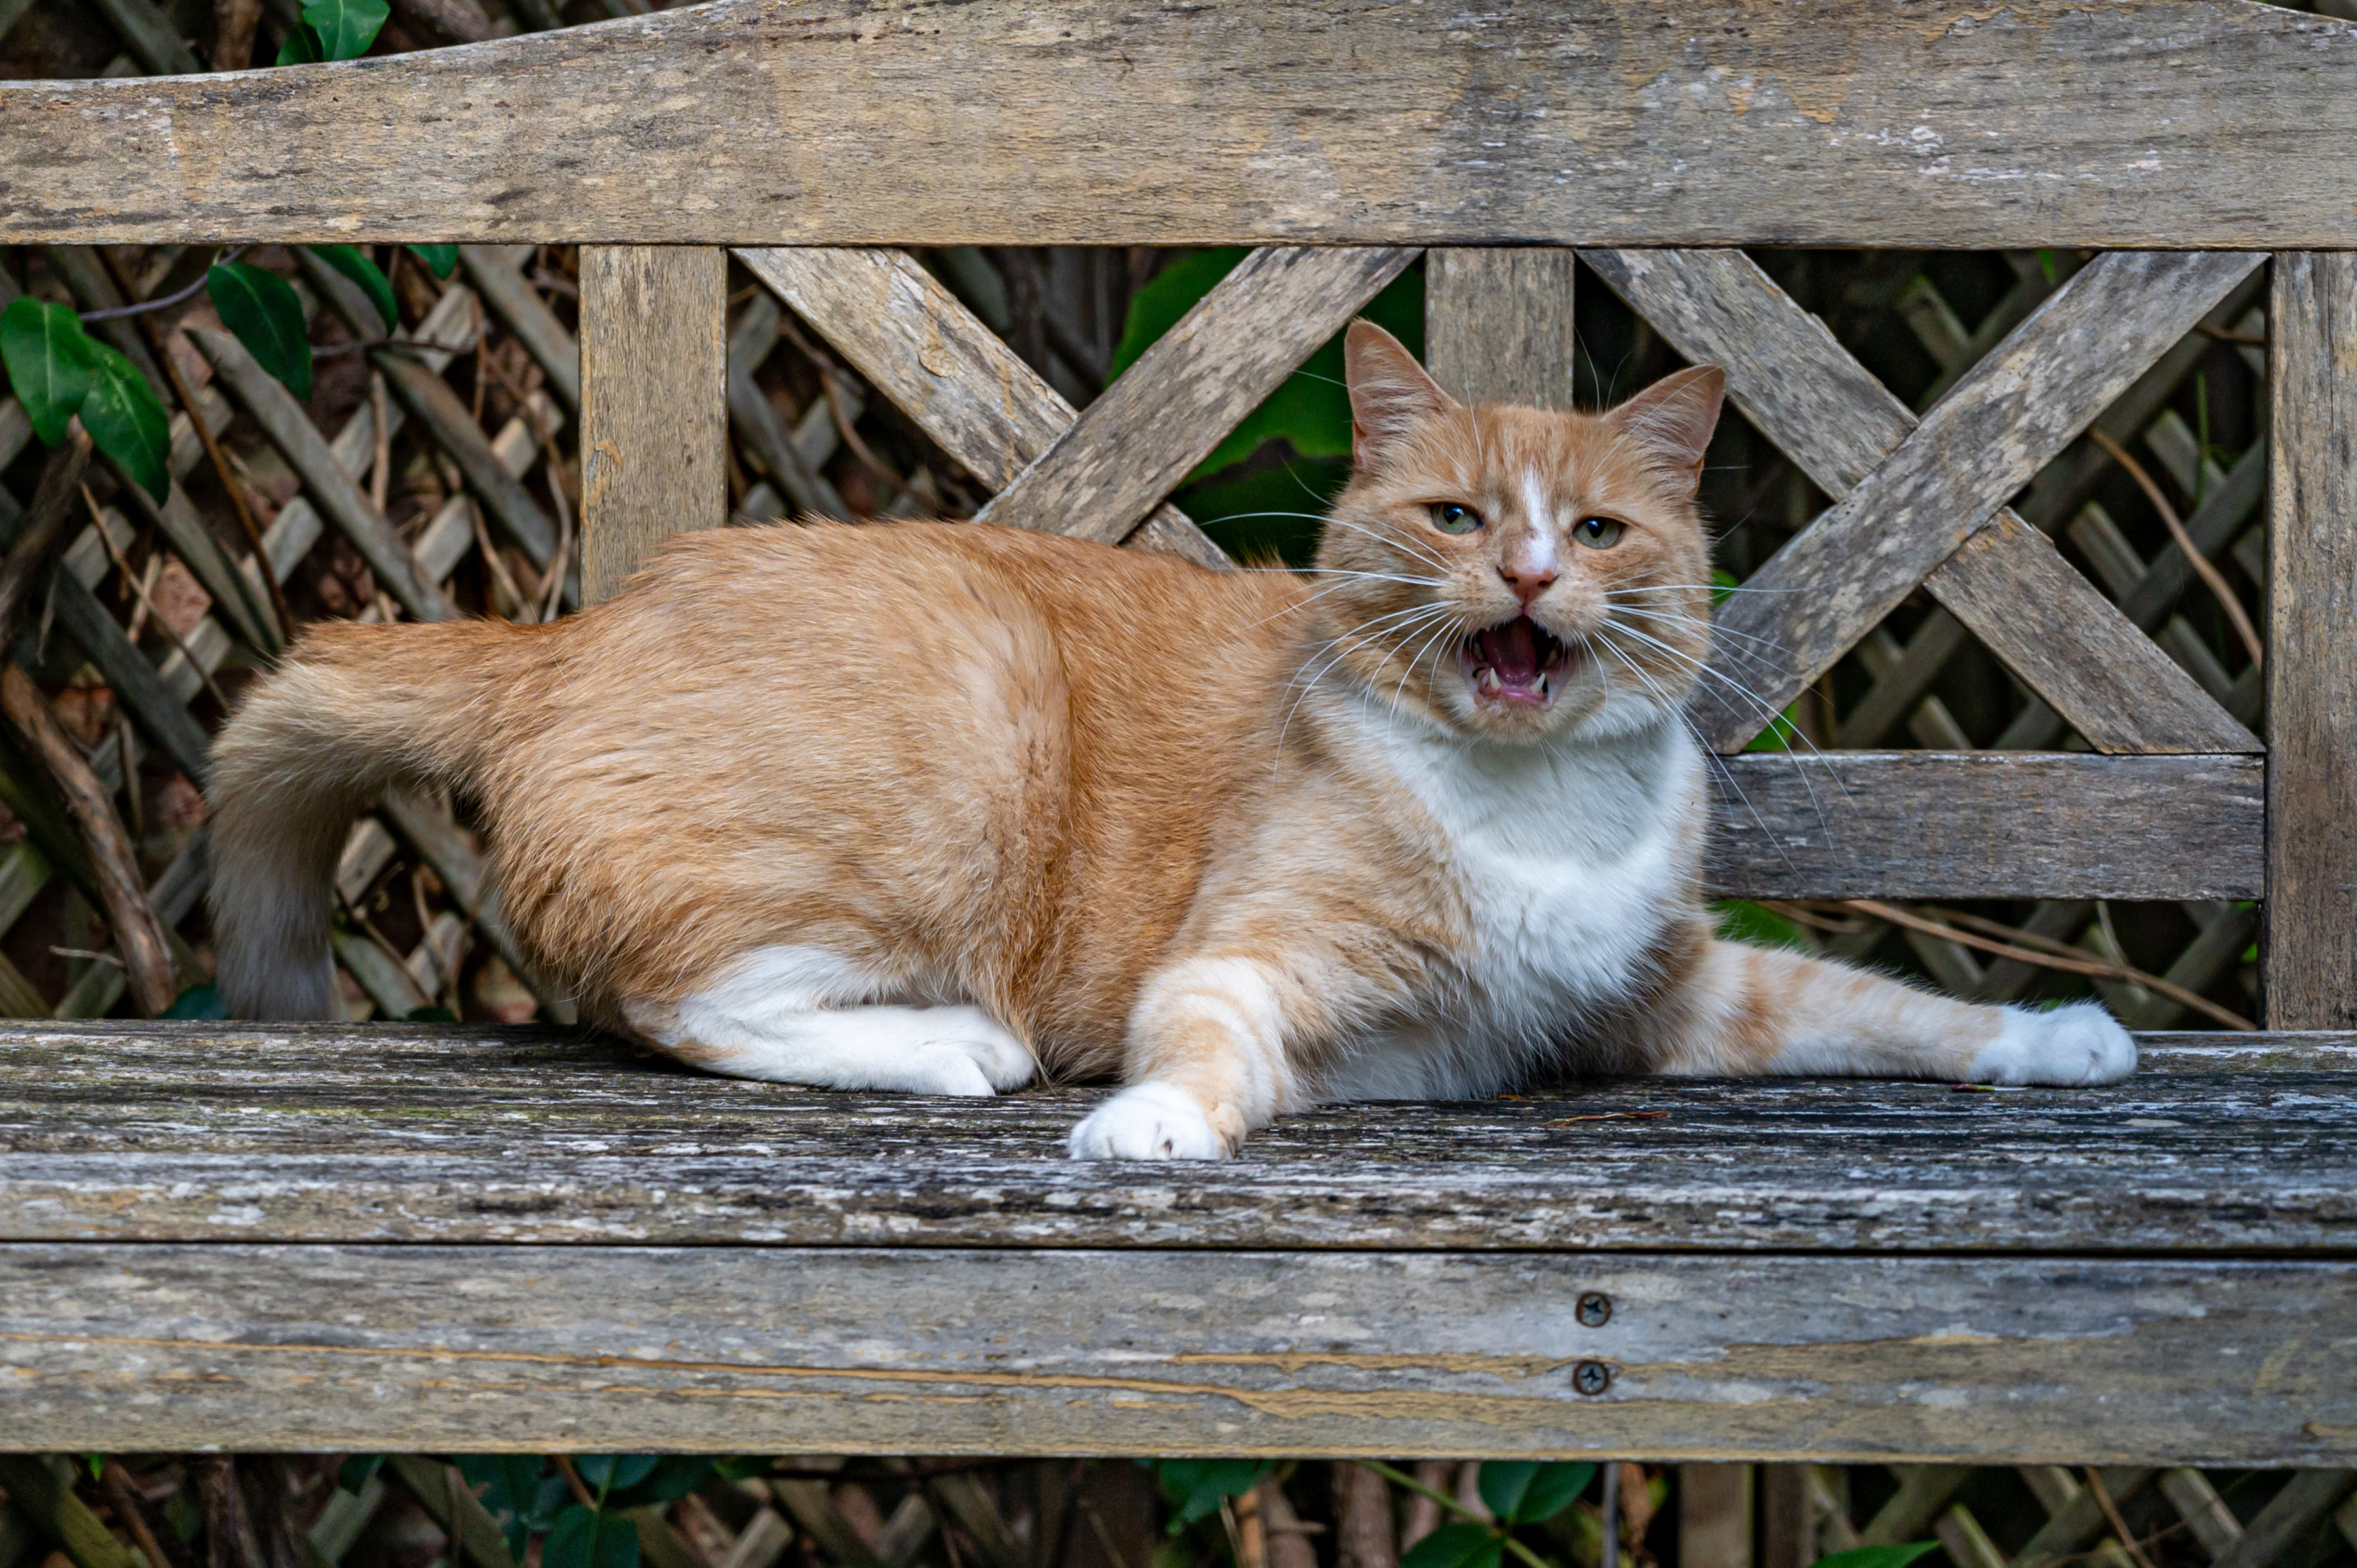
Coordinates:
[1486,679]
[1543,685]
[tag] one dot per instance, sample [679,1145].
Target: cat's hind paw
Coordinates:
[2073,1046]
[1148,1122]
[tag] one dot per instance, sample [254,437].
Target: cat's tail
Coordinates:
[353,710]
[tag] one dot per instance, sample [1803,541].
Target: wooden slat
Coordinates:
[1596,122]
[948,372]
[2309,949]
[1498,325]
[2219,1146]
[1134,445]
[1828,412]
[878,1350]
[1987,824]
[654,423]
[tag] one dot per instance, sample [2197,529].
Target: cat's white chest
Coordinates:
[1568,864]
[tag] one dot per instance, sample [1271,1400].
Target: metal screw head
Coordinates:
[1591,1376]
[1595,1309]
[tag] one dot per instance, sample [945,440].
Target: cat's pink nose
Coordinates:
[1528,579]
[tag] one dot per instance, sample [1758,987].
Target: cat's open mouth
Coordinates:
[1516,662]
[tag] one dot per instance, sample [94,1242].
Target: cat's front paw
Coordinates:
[2077,1045]
[1148,1122]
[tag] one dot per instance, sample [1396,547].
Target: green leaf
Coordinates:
[1554,1489]
[1877,1556]
[441,260]
[354,263]
[589,1538]
[1502,1482]
[346,28]
[429,1015]
[1311,408]
[673,1477]
[96,1463]
[1456,1546]
[614,1472]
[262,309]
[1198,1486]
[197,1002]
[126,422]
[354,1472]
[50,363]
[300,47]
[1739,920]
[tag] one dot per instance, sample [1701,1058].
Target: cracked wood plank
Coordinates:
[1111,467]
[2220,1145]
[1498,324]
[872,1350]
[2310,950]
[1939,125]
[2002,579]
[950,373]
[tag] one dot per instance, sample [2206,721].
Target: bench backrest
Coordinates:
[2188,142]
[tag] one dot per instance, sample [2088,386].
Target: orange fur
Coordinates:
[1240,839]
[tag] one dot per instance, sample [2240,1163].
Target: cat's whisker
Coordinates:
[1703,745]
[1403,545]
[1452,627]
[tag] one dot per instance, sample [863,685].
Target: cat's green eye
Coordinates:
[1450,518]
[1598,532]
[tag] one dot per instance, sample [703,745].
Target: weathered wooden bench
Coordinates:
[415,1238]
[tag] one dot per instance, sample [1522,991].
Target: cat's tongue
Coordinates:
[1512,650]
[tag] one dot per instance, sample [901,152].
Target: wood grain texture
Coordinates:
[2308,951]
[1598,121]
[1498,325]
[883,1350]
[1137,443]
[1988,824]
[948,371]
[1807,392]
[2220,1145]
[654,414]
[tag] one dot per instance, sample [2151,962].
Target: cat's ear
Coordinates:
[1672,420]
[1390,393]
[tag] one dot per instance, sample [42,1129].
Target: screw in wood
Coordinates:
[1595,1309]
[1591,1376]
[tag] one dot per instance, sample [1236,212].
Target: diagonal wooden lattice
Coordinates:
[1924,503]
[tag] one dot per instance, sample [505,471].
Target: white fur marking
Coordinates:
[1541,512]
[792,1015]
[1148,1122]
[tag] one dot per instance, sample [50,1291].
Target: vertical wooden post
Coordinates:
[1497,324]
[1787,1533]
[2309,951]
[654,413]
[1715,1516]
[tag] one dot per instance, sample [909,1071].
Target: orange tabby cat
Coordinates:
[938,807]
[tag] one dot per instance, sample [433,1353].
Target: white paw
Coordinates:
[1148,1122]
[963,1051]
[2075,1044]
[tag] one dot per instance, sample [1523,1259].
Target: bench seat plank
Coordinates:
[892,1351]
[462,1134]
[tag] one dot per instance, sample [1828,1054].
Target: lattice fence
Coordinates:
[415,1511]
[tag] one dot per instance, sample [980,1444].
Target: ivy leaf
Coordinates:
[126,422]
[261,307]
[1554,1489]
[346,28]
[614,1472]
[441,260]
[673,1477]
[354,263]
[588,1538]
[1502,1483]
[1198,1486]
[205,1001]
[354,1472]
[50,363]
[1879,1556]
[1456,1546]
[300,47]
